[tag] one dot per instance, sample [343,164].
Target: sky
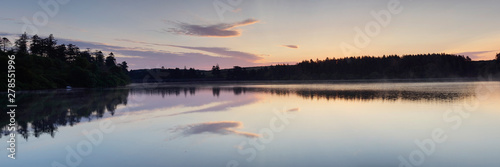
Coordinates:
[203,33]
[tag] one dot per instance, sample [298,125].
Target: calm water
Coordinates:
[346,125]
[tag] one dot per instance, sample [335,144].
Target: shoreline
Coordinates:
[316,81]
[274,82]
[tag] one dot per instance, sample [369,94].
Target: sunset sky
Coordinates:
[200,34]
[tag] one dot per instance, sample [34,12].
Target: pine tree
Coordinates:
[110,60]
[21,44]
[36,45]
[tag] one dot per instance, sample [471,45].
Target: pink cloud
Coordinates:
[216,30]
[220,128]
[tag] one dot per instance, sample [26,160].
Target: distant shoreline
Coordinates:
[179,82]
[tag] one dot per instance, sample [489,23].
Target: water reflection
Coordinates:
[328,94]
[222,106]
[220,128]
[208,125]
[389,95]
[41,113]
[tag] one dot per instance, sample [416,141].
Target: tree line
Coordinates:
[42,63]
[42,113]
[420,66]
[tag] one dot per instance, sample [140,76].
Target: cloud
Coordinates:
[142,57]
[478,54]
[294,110]
[105,47]
[224,52]
[224,106]
[216,30]
[17,21]
[9,34]
[219,51]
[220,128]
[137,42]
[291,46]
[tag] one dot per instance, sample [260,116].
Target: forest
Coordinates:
[41,63]
[421,66]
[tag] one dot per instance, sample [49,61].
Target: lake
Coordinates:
[260,124]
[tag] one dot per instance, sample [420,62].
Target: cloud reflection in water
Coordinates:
[220,128]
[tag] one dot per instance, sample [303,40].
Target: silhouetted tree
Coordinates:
[81,62]
[49,46]
[191,73]
[60,52]
[21,44]
[124,66]
[216,71]
[498,58]
[55,66]
[110,60]
[366,67]
[86,54]
[237,73]
[36,45]
[72,51]
[99,57]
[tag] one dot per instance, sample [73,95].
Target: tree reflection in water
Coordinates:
[42,112]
